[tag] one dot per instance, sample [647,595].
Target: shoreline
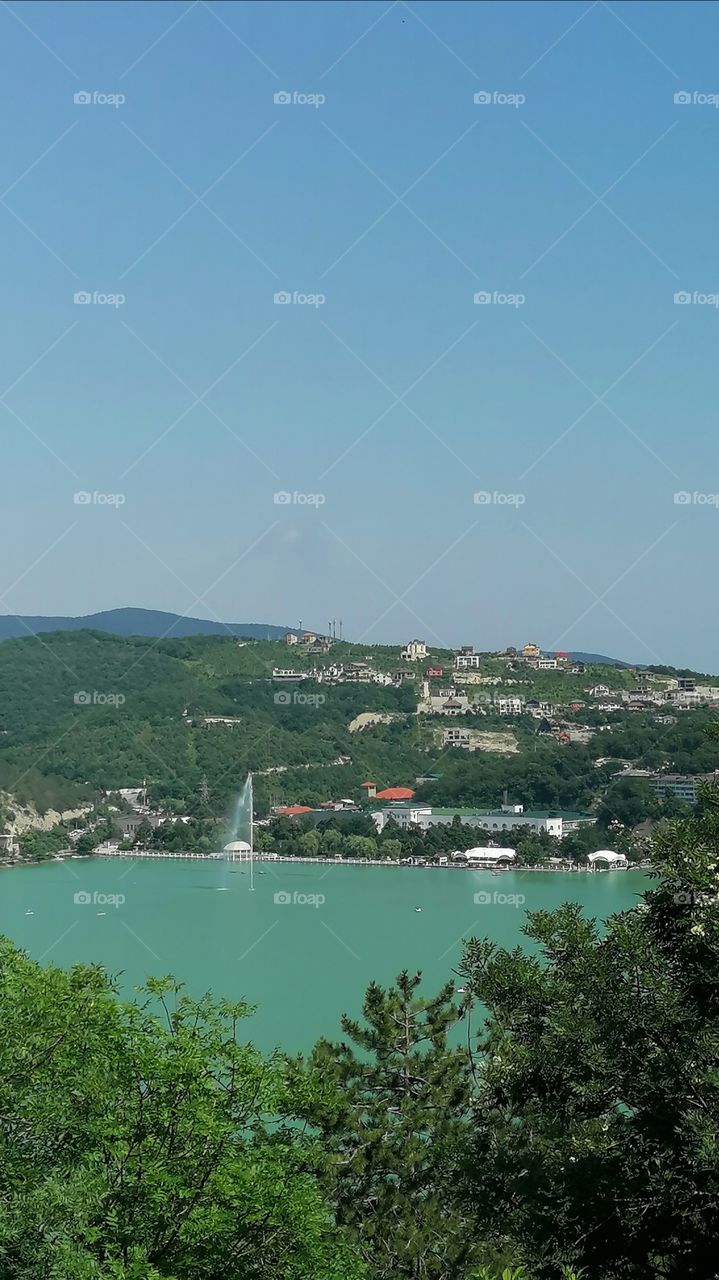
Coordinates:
[181,856]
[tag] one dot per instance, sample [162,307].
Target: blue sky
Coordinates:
[581,409]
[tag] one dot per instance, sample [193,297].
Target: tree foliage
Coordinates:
[147,1141]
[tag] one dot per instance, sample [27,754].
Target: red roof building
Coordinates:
[395,793]
[293,810]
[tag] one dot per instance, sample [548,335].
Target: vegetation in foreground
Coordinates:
[573,1132]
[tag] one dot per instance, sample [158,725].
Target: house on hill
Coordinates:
[415,651]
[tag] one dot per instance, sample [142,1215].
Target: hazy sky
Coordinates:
[581,198]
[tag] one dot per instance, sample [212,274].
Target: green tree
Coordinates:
[396,1097]
[135,1141]
[594,1140]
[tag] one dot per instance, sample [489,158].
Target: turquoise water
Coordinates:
[303,962]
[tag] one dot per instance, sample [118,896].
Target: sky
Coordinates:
[399,314]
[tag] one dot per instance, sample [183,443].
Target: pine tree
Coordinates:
[396,1097]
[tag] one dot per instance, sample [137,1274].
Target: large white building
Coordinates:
[509,818]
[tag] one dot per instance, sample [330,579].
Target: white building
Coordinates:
[415,651]
[490,820]
[607,858]
[485,857]
[466,661]
[509,706]
[455,705]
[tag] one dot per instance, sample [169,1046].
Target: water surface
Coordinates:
[302,945]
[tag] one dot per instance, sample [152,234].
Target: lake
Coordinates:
[302,945]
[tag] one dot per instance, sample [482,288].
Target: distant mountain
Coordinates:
[138,622]
[600,660]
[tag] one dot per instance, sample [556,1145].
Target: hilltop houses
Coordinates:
[466,659]
[415,651]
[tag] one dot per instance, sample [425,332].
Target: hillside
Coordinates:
[84,712]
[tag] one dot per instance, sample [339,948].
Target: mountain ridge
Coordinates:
[131,621]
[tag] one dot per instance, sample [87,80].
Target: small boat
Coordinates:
[29,913]
[460,990]
[418,908]
[100,913]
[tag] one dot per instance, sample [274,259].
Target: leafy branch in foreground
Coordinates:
[136,1143]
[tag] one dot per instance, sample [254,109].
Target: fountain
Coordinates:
[240,846]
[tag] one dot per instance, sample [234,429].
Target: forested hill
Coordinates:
[81,712]
[137,622]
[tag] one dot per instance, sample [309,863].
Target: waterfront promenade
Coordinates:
[343,862]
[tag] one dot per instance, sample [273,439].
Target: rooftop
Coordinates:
[395,793]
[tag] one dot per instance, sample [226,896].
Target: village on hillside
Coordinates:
[488,706]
